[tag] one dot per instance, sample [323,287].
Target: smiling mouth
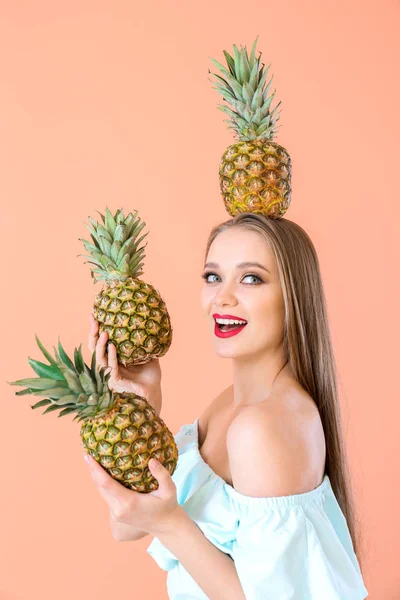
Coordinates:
[230,326]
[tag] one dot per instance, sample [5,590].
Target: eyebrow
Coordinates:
[242,265]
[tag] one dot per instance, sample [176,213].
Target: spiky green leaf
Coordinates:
[105,400]
[72,379]
[119,217]
[226,94]
[244,66]
[222,69]
[236,57]
[107,262]
[78,359]
[104,233]
[87,383]
[120,233]
[105,245]
[253,77]
[265,106]
[253,52]
[110,222]
[64,357]
[247,93]
[230,62]
[35,383]
[123,265]
[95,242]
[54,392]
[91,261]
[91,248]
[51,409]
[262,128]
[49,371]
[67,411]
[93,223]
[115,248]
[44,352]
[44,402]
[257,100]
[64,400]
[26,392]
[93,362]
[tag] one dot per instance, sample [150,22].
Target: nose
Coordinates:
[224,297]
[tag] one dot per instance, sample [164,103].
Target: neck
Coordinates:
[255,377]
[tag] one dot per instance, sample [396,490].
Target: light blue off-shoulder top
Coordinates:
[285,547]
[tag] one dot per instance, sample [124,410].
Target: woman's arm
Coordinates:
[213,570]
[124,533]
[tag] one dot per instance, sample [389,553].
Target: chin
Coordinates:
[229,353]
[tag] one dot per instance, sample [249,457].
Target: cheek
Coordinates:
[270,311]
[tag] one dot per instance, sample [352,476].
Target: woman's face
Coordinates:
[247,292]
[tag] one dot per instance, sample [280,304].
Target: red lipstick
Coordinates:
[231,332]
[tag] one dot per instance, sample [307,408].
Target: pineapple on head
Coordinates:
[255,172]
[121,431]
[129,309]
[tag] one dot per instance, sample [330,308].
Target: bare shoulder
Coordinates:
[215,405]
[277,448]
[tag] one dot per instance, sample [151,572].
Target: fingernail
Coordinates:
[87,458]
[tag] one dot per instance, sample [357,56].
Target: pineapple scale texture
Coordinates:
[255,176]
[136,319]
[124,440]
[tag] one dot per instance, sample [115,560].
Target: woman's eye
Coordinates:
[207,275]
[254,276]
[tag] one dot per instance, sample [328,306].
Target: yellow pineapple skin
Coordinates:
[124,440]
[136,319]
[255,176]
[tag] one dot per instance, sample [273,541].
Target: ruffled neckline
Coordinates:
[294,499]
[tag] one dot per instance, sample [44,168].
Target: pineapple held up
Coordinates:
[129,309]
[121,431]
[255,172]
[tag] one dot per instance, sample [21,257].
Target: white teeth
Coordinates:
[230,322]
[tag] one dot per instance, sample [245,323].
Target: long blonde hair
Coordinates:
[307,339]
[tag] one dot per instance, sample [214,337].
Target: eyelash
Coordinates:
[208,273]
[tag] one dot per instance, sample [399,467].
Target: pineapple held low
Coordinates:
[121,431]
[129,309]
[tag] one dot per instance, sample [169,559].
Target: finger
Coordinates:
[113,360]
[93,332]
[101,357]
[165,483]
[113,492]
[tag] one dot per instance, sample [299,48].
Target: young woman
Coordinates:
[259,506]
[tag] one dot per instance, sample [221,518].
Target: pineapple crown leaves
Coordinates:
[243,88]
[68,385]
[114,251]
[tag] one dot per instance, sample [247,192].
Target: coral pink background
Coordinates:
[110,104]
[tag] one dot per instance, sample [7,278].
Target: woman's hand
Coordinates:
[155,512]
[143,380]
